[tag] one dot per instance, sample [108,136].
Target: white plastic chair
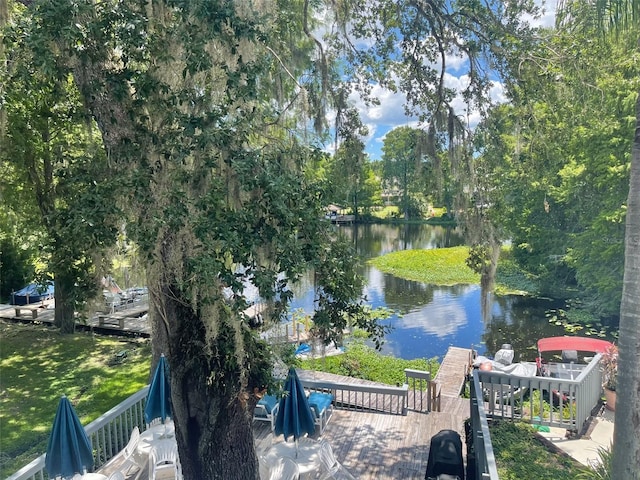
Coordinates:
[334,469]
[117,475]
[163,460]
[126,460]
[130,460]
[284,469]
[158,421]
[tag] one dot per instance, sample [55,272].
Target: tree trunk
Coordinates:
[64,316]
[626,453]
[405,193]
[210,401]
[488,273]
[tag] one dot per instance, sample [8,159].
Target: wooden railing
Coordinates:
[378,398]
[424,393]
[108,434]
[555,402]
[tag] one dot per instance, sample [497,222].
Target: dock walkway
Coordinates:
[453,371]
[118,318]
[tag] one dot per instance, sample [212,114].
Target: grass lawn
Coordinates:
[38,365]
[520,455]
[385,212]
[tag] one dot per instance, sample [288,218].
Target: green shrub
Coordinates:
[361,361]
[601,469]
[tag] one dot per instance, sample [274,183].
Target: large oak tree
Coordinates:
[198,103]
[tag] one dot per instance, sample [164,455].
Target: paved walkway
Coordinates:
[585,448]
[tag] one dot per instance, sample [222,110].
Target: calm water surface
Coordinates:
[430,318]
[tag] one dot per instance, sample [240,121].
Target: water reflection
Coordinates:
[431,318]
[375,240]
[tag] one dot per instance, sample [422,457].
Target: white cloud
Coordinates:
[456,62]
[438,318]
[548,17]
[389,113]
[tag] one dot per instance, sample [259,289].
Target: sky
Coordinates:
[389,114]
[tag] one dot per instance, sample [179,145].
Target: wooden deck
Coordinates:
[372,445]
[382,446]
[378,446]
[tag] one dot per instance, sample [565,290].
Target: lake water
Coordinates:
[431,318]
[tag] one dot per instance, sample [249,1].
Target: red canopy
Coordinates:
[581,344]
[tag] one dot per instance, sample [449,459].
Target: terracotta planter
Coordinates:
[610,397]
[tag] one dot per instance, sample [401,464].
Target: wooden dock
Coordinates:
[453,371]
[343,219]
[118,318]
[132,323]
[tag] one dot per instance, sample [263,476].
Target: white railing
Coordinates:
[378,398]
[108,435]
[556,402]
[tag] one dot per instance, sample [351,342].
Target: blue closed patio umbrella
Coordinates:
[69,450]
[294,414]
[158,403]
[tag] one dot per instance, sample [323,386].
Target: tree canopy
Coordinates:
[558,162]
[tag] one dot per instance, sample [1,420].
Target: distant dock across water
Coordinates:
[343,219]
[131,320]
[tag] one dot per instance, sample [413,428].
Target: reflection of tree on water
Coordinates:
[520,321]
[403,295]
[373,240]
[486,303]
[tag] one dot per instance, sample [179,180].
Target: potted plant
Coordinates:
[609,363]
